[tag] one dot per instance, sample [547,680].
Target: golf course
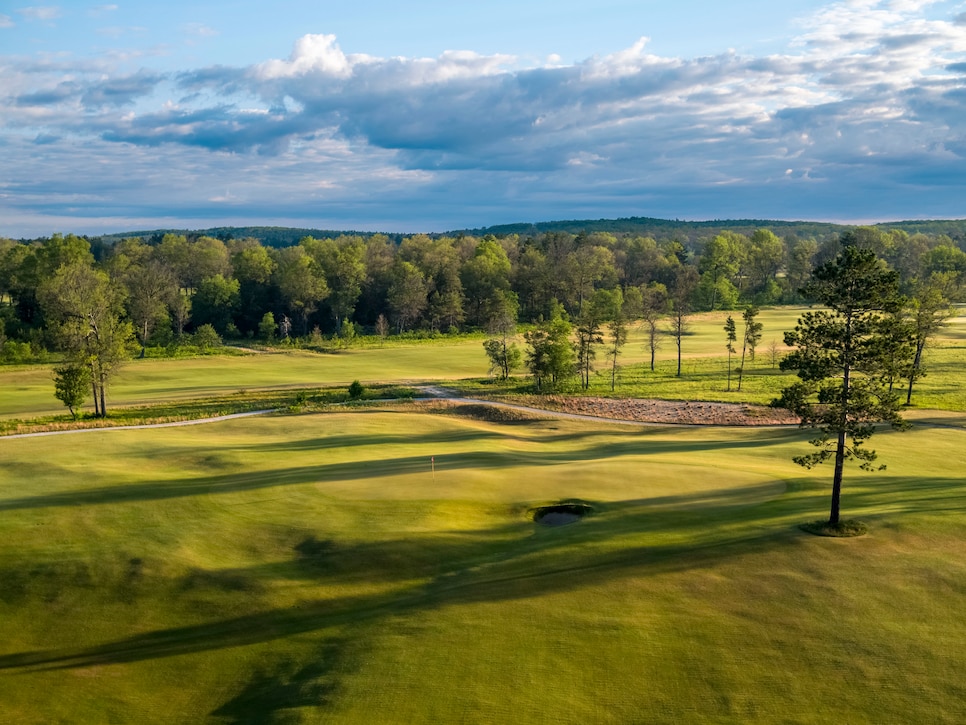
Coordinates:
[381,561]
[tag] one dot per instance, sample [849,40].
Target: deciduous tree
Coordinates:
[300,282]
[685,281]
[407,294]
[550,357]
[750,338]
[503,353]
[929,309]
[84,311]
[731,338]
[71,385]
[654,305]
[150,287]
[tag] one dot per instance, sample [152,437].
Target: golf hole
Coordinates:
[561,514]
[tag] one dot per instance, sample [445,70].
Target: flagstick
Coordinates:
[433,461]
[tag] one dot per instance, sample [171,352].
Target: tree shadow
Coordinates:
[535,563]
[272,694]
[632,443]
[886,497]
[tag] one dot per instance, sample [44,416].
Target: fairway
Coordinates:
[315,568]
[28,390]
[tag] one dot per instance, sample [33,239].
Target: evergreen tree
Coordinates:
[839,361]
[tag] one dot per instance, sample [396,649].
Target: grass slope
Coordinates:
[312,569]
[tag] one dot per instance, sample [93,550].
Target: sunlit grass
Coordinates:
[28,390]
[291,400]
[383,565]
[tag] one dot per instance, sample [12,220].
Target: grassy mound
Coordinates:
[843,529]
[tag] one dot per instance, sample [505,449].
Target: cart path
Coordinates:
[433,392]
[172,424]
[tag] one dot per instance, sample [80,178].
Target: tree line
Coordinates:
[94,302]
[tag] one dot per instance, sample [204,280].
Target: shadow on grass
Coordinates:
[534,563]
[939,496]
[641,442]
[514,560]
[529,565]
[273,693]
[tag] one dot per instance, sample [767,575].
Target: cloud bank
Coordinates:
[862,116]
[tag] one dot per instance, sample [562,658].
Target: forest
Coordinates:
[99,303]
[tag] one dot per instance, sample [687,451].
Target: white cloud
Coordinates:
[312,54]
[41,13]
[115,31]
[199,30]
[873,92]
[6,21]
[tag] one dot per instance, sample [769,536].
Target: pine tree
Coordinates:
[839,359]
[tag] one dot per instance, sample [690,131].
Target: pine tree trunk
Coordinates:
[833,517]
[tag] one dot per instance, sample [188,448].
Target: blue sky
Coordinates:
[432,115]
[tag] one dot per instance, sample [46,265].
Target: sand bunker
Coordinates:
[561,514]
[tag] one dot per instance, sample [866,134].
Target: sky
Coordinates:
[431,116]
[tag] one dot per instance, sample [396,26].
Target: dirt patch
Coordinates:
[664,411]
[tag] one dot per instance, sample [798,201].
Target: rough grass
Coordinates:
[311,568]
[28,390]
[291,400]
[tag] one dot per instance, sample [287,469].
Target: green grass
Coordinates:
[291,400]
[28,390]
[312,568]
[315,568]
[704,368]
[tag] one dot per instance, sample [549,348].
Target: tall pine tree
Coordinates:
[839,359]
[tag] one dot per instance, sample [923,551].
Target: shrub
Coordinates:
[205,337]
[16,352]
[356,390]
